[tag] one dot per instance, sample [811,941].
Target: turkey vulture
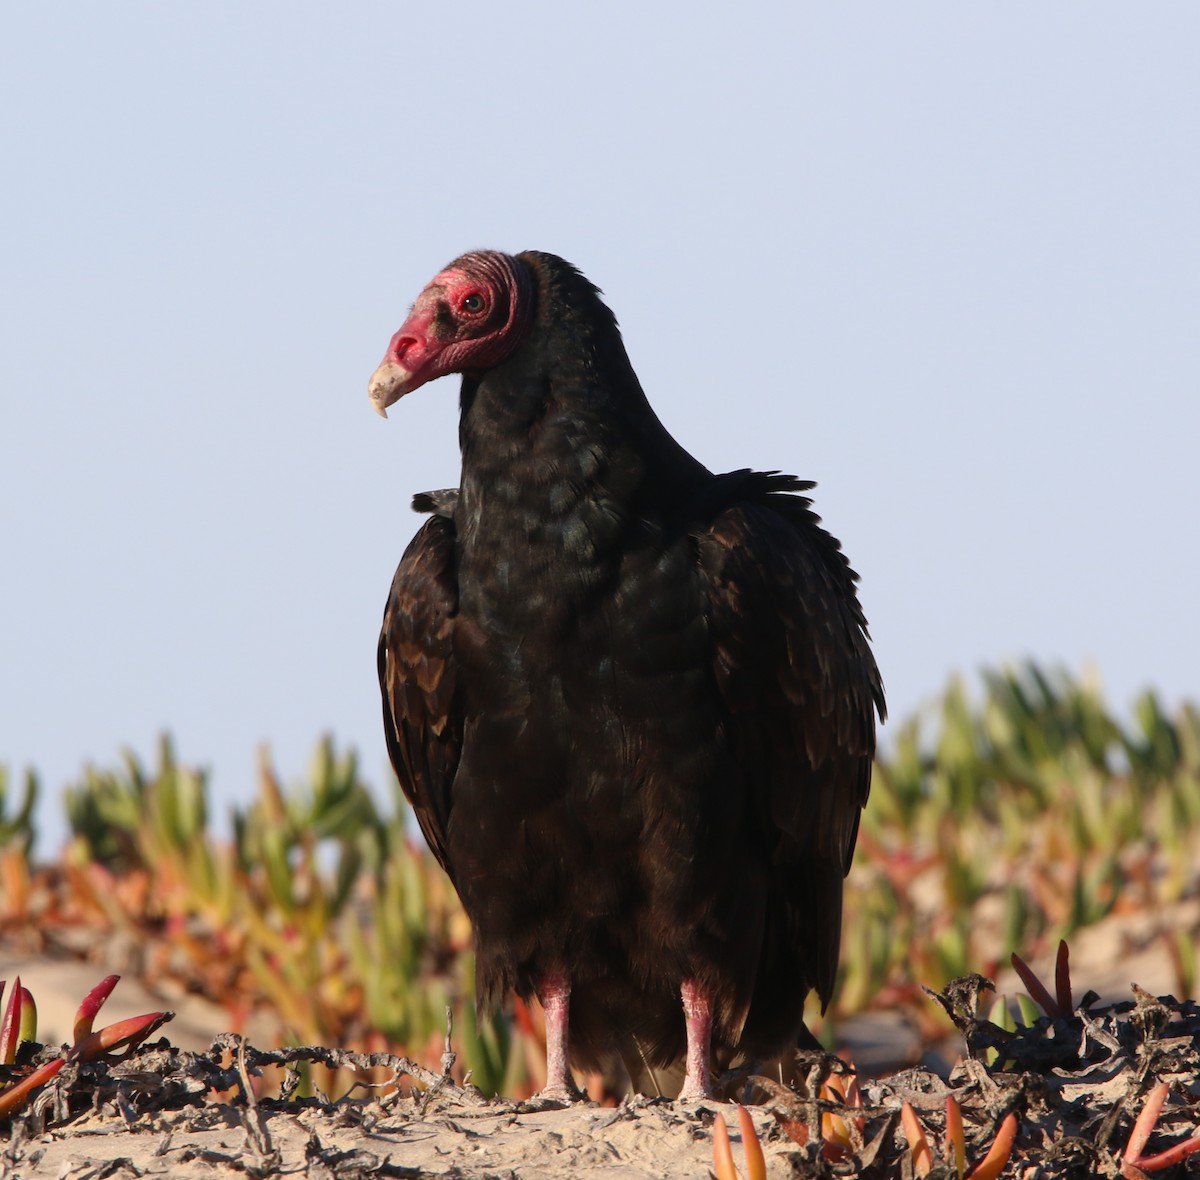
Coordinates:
[632,702]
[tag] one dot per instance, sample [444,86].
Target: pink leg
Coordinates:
[697,1014]
[555,994]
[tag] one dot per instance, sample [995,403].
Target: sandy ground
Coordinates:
[646,1140]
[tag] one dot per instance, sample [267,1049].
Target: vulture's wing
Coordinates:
[793,664]
[416,677]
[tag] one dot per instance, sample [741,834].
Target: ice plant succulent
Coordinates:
[1060,1005]
[124,1034]
[954,1149]
[19,1025]
[723,1166]
[1135,1165]
[841,1132]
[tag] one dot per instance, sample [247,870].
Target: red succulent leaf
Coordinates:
[795,1130]
[1062,979]
[1144,1123]
[123,1034]
[12,1099]
[993,1163]
[92,1003]
[756,1165]
[956,1143]
[1170,1157]
[1133,1163]
[10,1026]
[1036,989]
[723,1165]
[922,1155]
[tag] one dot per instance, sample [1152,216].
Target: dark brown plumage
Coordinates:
[632,702]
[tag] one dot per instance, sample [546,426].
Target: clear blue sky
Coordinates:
[942,258]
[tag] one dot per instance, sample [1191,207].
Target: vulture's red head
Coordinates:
[468,319]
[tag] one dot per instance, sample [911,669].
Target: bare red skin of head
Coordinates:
[467,319]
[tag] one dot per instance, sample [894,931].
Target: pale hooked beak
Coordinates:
[388,384]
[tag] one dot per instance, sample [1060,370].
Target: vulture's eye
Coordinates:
[474,303]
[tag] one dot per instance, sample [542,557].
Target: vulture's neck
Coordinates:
[564,466]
